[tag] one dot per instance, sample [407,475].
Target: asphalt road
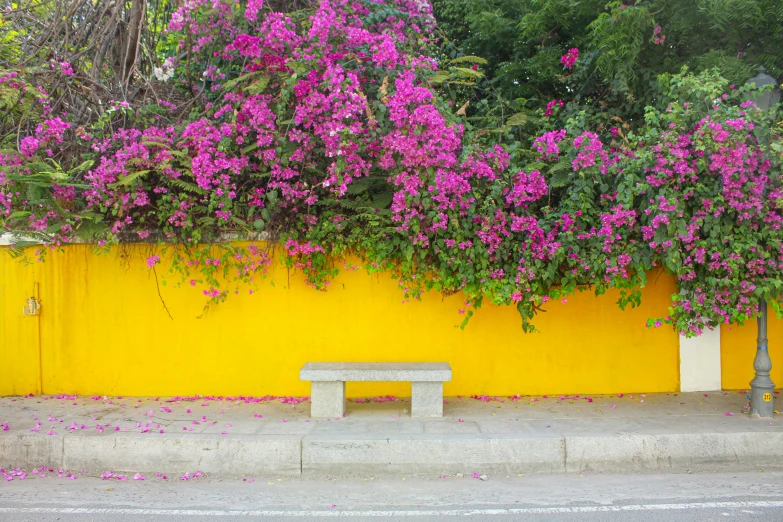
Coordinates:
[569,498]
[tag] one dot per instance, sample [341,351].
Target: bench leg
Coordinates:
[327,398]
[427,399]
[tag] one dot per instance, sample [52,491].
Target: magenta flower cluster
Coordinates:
[325,132]
[569,59]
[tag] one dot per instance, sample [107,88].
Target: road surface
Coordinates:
[756,495]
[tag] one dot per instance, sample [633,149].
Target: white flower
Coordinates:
[164,73]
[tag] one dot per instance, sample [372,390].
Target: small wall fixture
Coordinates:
[33,307]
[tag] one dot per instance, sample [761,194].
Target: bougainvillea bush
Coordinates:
[325,131]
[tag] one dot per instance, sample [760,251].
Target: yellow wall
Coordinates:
[103,331]
[738,349]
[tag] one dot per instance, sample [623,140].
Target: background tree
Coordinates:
[623,47]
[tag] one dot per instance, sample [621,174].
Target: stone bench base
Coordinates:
[426,399]
[327,399]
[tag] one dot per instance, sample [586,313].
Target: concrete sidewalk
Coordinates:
[249,436]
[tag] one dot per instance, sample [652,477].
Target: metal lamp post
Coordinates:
[770,97]
[762,387]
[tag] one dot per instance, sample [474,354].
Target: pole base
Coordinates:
[762,401]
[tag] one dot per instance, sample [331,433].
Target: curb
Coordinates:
[133,452]
[401,453]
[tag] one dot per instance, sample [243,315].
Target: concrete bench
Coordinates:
[327,381]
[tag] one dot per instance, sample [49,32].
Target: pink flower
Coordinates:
[152,261]
[66,69]
[569,59]
[138,476]
[28,146]
[253,7]
[550,107]
[658,38]
[547,144]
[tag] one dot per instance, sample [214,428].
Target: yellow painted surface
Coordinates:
[738,349]
[19,335]
[103,331]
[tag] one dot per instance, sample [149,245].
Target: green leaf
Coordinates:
[127,180]
[560,173]
[258,87]
[520,118]
[360,185]
[469,59]
[250,148]
[184,185]
[233,83]
[382,200]
[464,71]
[440,77]
[83,166]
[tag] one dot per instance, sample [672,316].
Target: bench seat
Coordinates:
[327,397]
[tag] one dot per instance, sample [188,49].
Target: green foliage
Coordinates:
[621,51]
[618,37]
[508,224]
